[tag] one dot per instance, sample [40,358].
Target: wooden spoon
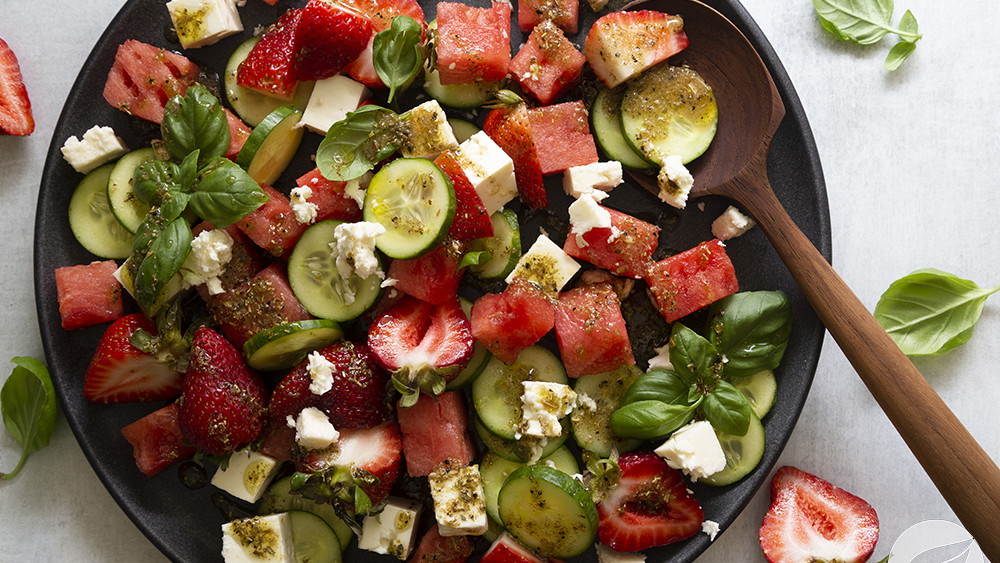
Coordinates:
[735,166]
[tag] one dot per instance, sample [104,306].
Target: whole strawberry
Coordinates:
[222,406]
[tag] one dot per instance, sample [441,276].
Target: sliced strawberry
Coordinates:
[270,65]
[471,219]
[620,45]
[15,107]
[157,441]
[377,451]
[381,13]
[650,506]
[511,129]
[330,35]
[435,548]
[223,404]
[423,345]
[119,372]
[812,520]
[505,549]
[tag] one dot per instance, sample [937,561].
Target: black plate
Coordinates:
[183,523]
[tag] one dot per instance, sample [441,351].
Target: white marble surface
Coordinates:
[911,165]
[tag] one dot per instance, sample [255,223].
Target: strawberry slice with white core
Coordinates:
[812,520]
[119,372]
[621,45]
[331,35]
[15,108]
[378,451]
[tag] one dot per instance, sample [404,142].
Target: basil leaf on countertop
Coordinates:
[28,405]
[650,419]
[396,53]
[866,22]
[225,193]
[930,312]
[163,259]
[727,409]
[355,144]
[195,121]
[658,385]
[750,329]
[904,48]
[692,356]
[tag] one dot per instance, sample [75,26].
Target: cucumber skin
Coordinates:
[98,234]
[606,123]
[495,398]
[127,208]
[752,446]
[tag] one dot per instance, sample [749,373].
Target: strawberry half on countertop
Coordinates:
[119,372]
[812,520]
[330,35]
[15,107]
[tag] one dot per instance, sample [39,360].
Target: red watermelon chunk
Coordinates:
[693,279]
[590,331]
[562,136]
[238,134]
[435,429]
[435,548]
[247,259]
[157,441]
[563,13]
[88,294]
[433,277]
[263,302]
[143,78]
[548,65]
[330,198]
[473,44]
[627,252]
[273,226]
[507,323]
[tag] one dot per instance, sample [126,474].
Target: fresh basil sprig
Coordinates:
[225,193]
[751,330]
[930,312]
[28,404]
[397,54]
[651,419]
[355,144]
[868,21]
[193,122]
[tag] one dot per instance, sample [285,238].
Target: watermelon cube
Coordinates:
[433,277]
[590,331]
[548,65]
[273,226]
[247,259]
[473,44]
[563,13]
[507,323]
[629,252]
[157,441]
[330,197]
[238,134]
[562,136]
[435,429]
[143,78]
[693,279]
[88,294]
[263,302]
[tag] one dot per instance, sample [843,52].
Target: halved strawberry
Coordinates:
[223,404]
[119,372]
[620,45]
[381,13]
[510,128]
[366,457]
[270,67]
[812,520]
[157,441]
[330,35]
[650,506]
[15,107]
[471,219]
[423,345]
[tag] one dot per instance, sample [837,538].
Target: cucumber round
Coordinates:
[760,390]
[590,427]
[284,346]
[462,129]
[272,145]
[459,96]
[253,106]
[415,202]
[91,220]
[504,247]
[669,110]
[548,511]
[315,541]
[279,498]
[313,276]
[480,356]
[495,470]
[127,208]
[523,449]
[496,393]
[743,453]
[605,119]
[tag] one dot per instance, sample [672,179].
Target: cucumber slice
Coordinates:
[590,427]
[522,450]
[548,512]
[312,273]
[284,346]
[462,129]
[504,247]
[127,208]
[495,470]
[605,119]
[315,541]
[669,110]
[415,202]
[496,393]
[272,145]
[91,220]
[253,106]
[459,96]
[480,356]
[743,453]
[760,390]
[279,498]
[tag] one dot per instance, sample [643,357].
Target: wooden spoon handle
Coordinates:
[965,475]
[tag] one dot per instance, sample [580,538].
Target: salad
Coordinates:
[303,275]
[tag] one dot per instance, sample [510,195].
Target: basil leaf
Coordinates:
[930,312]
[899,52]
[396,53]
[750,329]
[474,258]
[866,22]
[649,419]
[355,144]
[659,385]
[225,193]
[727,409]
[691,355]
[162,261]
[28,404]
[153,178]
[195,121]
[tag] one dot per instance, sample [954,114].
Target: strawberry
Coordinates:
[222,405]
[510,128]
[381,14]
[270,65]
[620,45]
[119,372]
[330,35]
[505,549]
[650,506]
[366,457]
[812,520]
[358,398]
[471,220]
[15,107]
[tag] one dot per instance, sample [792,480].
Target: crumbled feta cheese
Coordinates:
[331,100]
[607,555]
[320,372]
[247,475]
[313,430]
[305,211]
[546,265]
[251,539]
[675,182]
[353,249]
[388,282]
[203,22]
[695,450]
[731,224]
[211,250]
[355,189]
[99,145]
[596,178]
[392,531]
[459,499]
[710,528]
[542,405]
[586,214]
[428,132]
[662,358]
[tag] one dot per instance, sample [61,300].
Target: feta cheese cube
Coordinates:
[392,531]
[489,170]
[607,555]
[305,211]
[331,100]
[203,22]
[261,538]
[428,132]
[99,145]
[313,430]
[710,528]
[542,405]
[731,224]
[585,214]
[662,358]
[247,475]
[675,182]
[459,499]
[596,178]
[695,450]
[320,373]
[210,252]
[546,265]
